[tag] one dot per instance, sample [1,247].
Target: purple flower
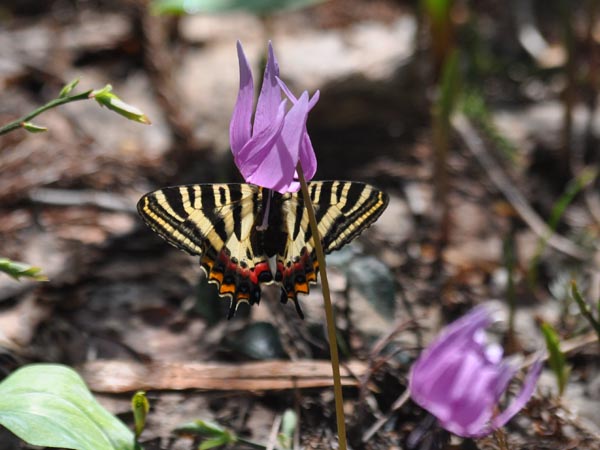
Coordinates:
[459,379]
[267,152]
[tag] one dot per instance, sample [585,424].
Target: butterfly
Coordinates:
[237,228]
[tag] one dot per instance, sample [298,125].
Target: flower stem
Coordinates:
[51,104]
[333,348]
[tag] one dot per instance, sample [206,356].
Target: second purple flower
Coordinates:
[460,378]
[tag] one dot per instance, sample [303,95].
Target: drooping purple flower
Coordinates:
[268,151]
[460,380]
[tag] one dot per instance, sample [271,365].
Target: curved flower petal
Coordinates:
[473,410]
[276,170]
[286,90]
[308,160]
[260,145]
[519,402]
[240,126]
[270,94]
[460,378]
[459,333]
[268,152]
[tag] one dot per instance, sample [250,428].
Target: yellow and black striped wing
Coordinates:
[216,222]
[343,210]
[225,224]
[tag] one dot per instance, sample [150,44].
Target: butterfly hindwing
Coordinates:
[342,209]
[224,225]
[216,222]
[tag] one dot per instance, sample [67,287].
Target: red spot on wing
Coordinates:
[233,280]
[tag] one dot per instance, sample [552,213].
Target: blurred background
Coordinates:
[479,119]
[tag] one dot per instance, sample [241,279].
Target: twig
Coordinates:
[273,435]
[400,401]
[568,346]
[51,104]
[65,197]
[475,145]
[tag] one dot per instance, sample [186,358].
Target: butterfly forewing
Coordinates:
[224,225]
[189,217]
[344,209]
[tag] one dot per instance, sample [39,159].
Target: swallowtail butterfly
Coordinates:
[236,228]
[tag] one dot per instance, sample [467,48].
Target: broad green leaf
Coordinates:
[49,405]
[215,6]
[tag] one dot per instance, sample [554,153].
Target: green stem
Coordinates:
[584,308]
[250,443]
[51,104]
[333,348]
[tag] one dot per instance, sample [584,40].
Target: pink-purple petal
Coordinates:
[276,170]
[270,94]
[268,152]
[460,378]
[260,145]
[519,402]
[308,160]
[286,91]
[240,127]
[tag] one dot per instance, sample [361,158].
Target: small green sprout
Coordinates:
[18,269]
[289,422]
[106,98]
[33,128]
[216,435]
[68,88]
[585,309]
[556,357]
[140,407]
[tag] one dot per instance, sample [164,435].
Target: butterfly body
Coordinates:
[237,228]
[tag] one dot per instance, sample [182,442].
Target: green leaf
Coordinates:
[49,405]
[68,88]
[214,6]
[585,309]
[106,98]
[557,359]
[33,128]
[217,434]
[214,442]
[202,427]
[18,269]
[140,407]
[288,426]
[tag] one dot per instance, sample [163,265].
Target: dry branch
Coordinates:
[115,376]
